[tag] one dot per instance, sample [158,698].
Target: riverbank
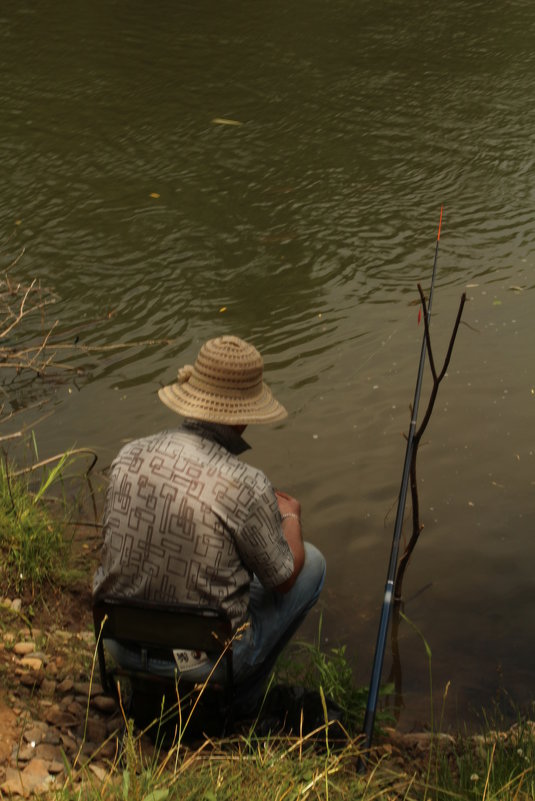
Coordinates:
[61,738]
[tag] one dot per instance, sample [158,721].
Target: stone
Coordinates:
[56,767]
[82,687]
[76,709]
[13,784]
[48,686]
[104,703]
[100,772]
[31,662]
[24,753]
[34,734]
[29,679]
[66,700]
[65,686]
[35,778]
[52,736]
[16,604]
[24,648]
[48,751]
[69,744]
[61,719]
[114,724]
[96,730]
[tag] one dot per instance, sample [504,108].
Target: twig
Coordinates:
[56,458]
[417,527]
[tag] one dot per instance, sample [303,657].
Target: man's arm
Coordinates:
[291,528]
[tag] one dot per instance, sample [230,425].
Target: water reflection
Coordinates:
[310,223]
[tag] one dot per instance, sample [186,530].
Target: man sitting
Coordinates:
[186,521]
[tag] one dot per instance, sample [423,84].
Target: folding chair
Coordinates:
[155,629]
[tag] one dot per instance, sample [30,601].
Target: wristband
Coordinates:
[291,515]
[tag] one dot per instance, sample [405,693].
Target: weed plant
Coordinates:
[307,665]
[32,544]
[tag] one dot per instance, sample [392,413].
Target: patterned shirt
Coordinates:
[186,521]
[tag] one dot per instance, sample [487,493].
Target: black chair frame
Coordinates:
[155,629]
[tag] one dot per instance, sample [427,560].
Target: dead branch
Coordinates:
[56,458]
[417,526]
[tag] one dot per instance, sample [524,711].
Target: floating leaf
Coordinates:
[154,194]
[224,121]
[496,303]
[517,288]
[471,286]
[222,309]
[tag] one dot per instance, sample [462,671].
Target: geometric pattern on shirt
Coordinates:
[186,521]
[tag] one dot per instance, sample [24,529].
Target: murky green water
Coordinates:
[311,223]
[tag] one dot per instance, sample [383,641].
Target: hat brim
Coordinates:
[229,409]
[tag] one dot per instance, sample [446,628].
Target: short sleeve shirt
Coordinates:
[186,521]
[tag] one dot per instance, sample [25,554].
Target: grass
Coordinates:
[33,548]
[306,664]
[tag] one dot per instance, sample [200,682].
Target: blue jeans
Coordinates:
[273,619]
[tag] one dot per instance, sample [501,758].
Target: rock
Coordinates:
[69,744]
[115,723]
[49,752]
[108,750]
[24,648]
[25,753]
[16,604]
[13,784]
[34,734]
[52,736]
[104,703]
[56,767]
[29,679]
[76,709]
[100,772]
[48,686]
[65,686]
[31,662]
[61,719]
[35,778]
[96,730]
[66,700]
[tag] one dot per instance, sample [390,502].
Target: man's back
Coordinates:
[187,521]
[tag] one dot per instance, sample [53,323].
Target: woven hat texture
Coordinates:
[224,386]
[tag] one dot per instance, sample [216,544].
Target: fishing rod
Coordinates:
[373,693]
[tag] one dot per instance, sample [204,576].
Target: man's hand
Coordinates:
[287,504]
[291,528]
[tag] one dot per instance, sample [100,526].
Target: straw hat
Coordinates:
[224,386]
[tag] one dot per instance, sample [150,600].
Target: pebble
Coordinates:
[34,734]
[65,686]
[48,751]
[48,686]
[24,648]
[16,604]
[104,703]
[32,662]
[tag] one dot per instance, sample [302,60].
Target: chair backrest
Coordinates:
[151,625]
